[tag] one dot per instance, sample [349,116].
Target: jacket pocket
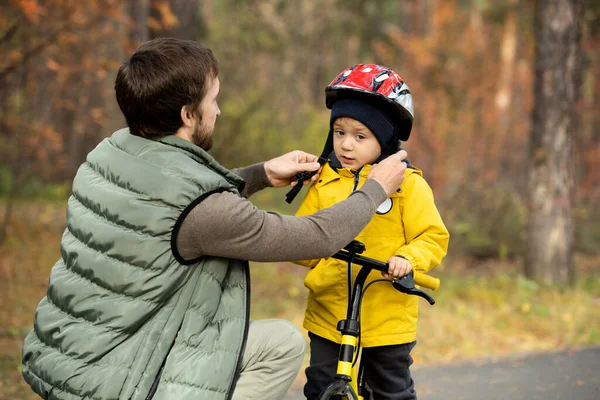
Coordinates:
[326,280]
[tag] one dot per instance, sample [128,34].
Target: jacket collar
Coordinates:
[330,173]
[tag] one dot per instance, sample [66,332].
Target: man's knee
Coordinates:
[287,340]
[297,343]
[272,358]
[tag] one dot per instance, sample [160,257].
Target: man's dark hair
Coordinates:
[163,75]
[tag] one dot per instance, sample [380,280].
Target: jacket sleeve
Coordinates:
[309,205]
[426,235]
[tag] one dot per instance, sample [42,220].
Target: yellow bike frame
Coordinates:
[350,368]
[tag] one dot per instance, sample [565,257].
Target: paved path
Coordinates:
[566,375]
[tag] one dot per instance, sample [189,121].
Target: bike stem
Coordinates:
[350,326]
[350,329]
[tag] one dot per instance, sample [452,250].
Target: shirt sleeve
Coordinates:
[309,205]
[226,225]
[255,178]
[426,235]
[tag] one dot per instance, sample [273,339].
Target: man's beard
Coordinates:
[202,137]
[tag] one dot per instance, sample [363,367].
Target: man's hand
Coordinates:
[390,172]
[397,267]
[281,170]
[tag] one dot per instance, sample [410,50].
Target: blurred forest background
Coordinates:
[489,134]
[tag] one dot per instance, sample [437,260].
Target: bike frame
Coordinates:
[347,381]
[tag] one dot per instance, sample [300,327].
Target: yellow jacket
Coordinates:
[408,224]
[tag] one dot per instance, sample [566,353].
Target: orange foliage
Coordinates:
[168,19]
[453,72]
[52,65]
[31,9]
[64,51]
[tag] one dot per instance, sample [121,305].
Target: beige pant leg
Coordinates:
[272,358]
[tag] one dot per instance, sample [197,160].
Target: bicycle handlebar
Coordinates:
[420,278]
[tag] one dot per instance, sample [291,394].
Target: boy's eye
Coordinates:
[360,137]
[338,132]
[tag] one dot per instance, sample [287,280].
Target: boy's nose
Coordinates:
[346,144]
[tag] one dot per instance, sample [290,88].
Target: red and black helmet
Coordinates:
[378,85]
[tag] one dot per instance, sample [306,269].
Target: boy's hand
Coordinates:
[398,267]
[282,169]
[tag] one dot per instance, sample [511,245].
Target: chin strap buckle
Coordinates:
[300,178]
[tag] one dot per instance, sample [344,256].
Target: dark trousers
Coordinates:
[386,369]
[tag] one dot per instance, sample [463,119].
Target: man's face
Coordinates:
[208,112]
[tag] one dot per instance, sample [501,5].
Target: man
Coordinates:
[151,296]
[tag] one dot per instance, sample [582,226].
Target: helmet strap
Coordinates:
[291,195]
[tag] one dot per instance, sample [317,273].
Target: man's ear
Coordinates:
[187,117]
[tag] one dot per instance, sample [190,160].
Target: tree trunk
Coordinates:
[139,11]
[186,12]
[557,81]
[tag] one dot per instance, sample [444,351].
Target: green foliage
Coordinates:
[5,181]
[33,188]
[526,286]
[50,192]
[254,129]
[591,284]
[495,228]
[587,228]
[274,200]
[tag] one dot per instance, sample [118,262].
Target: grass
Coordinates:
[30,250]
[486,310]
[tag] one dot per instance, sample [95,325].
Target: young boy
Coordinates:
[371,112]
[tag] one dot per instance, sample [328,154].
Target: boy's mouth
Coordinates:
[346,159]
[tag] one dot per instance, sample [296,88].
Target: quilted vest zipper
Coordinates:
[156,382]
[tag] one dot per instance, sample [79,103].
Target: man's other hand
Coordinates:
[390,172]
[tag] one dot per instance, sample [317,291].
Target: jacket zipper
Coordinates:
[354,187]
[238,368]
[356,179]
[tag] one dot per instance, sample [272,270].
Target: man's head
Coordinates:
[169,87]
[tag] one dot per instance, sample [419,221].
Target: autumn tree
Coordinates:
[551,185]
[53,87]
[46,72]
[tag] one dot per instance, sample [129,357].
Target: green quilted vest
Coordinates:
[122,306]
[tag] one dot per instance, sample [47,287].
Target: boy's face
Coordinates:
[354,144]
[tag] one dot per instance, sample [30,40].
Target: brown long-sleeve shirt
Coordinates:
[227,225]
